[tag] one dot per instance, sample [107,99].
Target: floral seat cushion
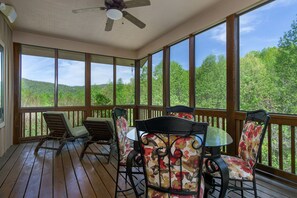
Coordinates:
[124,144]
[184,115]
[156,194]
[241,167]
[183,162]
[250,142]
[238,168]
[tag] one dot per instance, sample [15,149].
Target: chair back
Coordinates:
[181,111]
[252,136]
[121,128]
[58,124]
[172,151]
[100,128]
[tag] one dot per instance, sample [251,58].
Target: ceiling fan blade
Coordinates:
[137,3]
[133,19]
[94,9]
[108,25]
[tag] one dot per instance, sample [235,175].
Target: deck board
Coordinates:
[22,174]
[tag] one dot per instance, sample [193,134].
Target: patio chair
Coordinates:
[172,151]
[181,111]
[60,129]
[242,167]
[101,131]
[124,146]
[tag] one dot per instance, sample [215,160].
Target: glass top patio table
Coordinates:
[215,136]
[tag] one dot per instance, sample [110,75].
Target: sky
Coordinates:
[260,28]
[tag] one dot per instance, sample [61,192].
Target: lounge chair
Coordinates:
[60,129]
[101,131]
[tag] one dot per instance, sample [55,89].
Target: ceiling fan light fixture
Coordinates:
[114,14]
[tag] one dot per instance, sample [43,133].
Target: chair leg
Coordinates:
[117,180]
[241,185]
[39,145]
[60,148]
[110,153]
[86,145]
[255,187]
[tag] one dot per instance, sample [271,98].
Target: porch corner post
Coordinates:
[166,77]
[149,84]
[17,98]
[232,79]
[192,70]
[137,91]
[88,111]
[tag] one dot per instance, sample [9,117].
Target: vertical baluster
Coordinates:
[212,121]
[35,114]
[77,118]
[280,147]
[130,116]
[41,123]
[30,125]
[73,119]
[269,146]
[218,122]
[23,127]
[293,149]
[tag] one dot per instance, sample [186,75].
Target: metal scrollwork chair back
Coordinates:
[181,111]
[172,151]
[124,146]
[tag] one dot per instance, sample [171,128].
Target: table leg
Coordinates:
[215,163]
[223,168]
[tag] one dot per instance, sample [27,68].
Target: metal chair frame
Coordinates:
[116,113]
[168,126]
[180,108]
[260,116]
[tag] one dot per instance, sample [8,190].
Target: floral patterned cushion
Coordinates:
[238,168]
[183,161]
[156,194]
[184,115]
[124,143]
[250,142]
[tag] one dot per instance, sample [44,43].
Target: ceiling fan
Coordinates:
[115,11]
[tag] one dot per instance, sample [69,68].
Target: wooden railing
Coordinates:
[33,125]
[278,155]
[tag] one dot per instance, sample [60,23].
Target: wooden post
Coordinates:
[88,112]
[17,102]
[192,70]
[149,84]
[232,79]
[137,91]
[166,77]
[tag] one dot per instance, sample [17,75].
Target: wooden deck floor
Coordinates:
[22,174]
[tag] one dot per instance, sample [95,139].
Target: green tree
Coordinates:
[286,69]
[179,84]
[211,83]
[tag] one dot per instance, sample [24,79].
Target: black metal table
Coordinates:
[216,138]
